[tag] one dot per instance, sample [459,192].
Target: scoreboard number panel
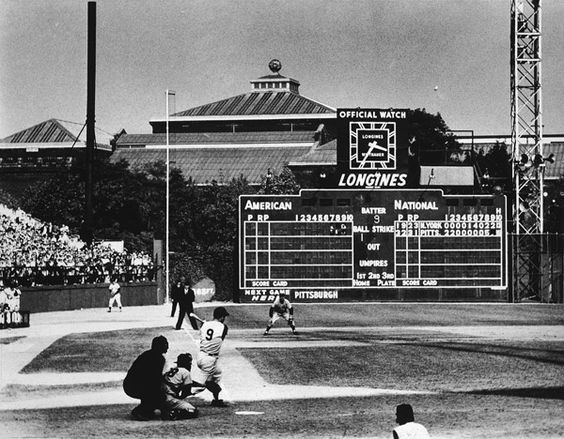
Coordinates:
[332,239]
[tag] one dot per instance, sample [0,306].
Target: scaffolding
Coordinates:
[527,148]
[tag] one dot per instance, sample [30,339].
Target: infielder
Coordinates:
[177,385]
[115,295]
[208,373]
[281,308]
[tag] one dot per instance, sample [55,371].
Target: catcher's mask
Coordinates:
[184,360]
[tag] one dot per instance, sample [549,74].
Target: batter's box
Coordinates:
[372,145]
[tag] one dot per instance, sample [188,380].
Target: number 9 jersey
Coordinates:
[212,334]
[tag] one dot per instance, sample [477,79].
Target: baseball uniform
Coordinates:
[212,334]
[281,308]
[115,295]
[175,381]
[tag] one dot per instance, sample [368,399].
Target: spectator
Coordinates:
[10,304]
[36,253]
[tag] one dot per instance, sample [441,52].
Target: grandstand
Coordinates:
[34,253]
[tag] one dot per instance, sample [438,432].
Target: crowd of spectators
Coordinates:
[36,253]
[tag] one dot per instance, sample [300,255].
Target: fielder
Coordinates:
[177,385]
[115,295]
[208,373]
[281,308]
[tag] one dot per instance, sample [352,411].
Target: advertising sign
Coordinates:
[369,145]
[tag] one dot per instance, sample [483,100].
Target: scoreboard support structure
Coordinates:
[363,244]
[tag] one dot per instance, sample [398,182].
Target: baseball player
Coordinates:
[115,295]
[208,373]
[408,428]
[281,308]
[177,385]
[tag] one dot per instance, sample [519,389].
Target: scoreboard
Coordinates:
[332,239]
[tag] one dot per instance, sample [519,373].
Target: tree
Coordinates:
[429,142]
[284,183]
[494,164]
[215,228]
[128,204]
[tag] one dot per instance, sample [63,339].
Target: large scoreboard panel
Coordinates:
[326,240]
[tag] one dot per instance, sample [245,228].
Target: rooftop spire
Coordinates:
[275,81]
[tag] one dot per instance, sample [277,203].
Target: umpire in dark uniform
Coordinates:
[176,293]
[186,307]
[144,378]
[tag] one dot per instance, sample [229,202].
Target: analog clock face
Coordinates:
[275,65]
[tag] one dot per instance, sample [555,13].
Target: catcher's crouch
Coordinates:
[281,308]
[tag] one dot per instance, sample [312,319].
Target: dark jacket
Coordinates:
[177,291]
[144,377]
[189,297]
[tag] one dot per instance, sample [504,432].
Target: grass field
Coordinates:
[470,371]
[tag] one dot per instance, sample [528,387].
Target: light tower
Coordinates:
[527,146]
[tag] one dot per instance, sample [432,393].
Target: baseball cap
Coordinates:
[219,312]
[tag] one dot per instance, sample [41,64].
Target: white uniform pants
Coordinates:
[207,370]
[115,299]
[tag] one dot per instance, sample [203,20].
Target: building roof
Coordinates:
[288,138]
[55,133]
[220,163]
[217,156]
[319,155]
[259,103]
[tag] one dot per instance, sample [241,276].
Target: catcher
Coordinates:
[281,308]
[176,386]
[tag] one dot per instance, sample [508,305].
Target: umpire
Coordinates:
[176,293]
[144,378]
[186,302]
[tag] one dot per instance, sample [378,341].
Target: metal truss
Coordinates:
[527,146]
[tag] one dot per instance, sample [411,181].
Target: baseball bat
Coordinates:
[196,317]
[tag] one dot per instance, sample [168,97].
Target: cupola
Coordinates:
[275,81]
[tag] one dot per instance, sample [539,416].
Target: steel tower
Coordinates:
[527,147]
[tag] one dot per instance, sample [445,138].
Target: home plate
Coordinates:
[249,413]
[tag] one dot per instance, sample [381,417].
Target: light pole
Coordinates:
[167,215]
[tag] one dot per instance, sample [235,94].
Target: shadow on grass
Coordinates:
[522,351]
[533,392]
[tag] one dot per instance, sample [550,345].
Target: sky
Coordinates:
[447,56]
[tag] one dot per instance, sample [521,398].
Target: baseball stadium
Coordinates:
[266,265]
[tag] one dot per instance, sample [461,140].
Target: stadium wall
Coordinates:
[64,298]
